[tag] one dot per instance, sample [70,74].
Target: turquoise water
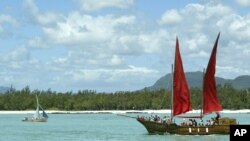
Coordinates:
[92,127]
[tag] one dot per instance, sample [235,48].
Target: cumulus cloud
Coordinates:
[245,3]
[111,50]
[16,58]
[36,17]
[198,28]
[36,42]
[170,17]
[79,28]
[6,20]
[236,26]
[120,78]
[94,5]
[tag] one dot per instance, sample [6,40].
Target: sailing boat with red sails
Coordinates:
[181,102]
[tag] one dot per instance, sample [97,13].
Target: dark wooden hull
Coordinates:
[199,130]
[154,127]
[164,128]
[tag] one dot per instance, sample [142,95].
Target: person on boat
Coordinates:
[216,119]
[190,122]
[154,117]
[194,122]
[157,118]
[168,121]
[217,116]
[212,121]
[208,122]
[201,122]
[141,118]
[164,120]
[184,123]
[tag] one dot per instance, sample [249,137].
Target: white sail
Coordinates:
[37,114]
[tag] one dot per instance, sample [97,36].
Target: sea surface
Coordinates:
[92,127]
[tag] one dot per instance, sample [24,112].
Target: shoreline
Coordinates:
[117,112]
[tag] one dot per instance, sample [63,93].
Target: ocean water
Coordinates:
[92,127]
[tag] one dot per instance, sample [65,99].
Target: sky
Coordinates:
[117,45]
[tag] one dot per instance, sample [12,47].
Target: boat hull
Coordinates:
[164,128]
[35,120]
[154,127]
[199,130]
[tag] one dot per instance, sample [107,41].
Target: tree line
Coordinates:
[25,99]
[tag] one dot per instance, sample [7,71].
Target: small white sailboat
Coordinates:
[39,116]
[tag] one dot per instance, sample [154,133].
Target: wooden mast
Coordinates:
[203,75]
[172,90]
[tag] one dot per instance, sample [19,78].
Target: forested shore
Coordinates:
[24,99]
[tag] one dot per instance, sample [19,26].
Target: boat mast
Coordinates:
[37,101]
[202,88]
[37,115]
[172,91]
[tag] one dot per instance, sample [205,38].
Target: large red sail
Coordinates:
[181,96]
[210,100]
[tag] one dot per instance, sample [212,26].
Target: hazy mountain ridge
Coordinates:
[3,89]
[195,80]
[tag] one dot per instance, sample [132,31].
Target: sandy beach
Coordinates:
[117,111]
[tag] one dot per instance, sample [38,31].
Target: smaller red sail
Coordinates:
[181,96]
[210,100]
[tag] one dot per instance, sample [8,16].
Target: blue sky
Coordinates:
[117,45]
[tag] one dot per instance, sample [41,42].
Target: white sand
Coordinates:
[116,111]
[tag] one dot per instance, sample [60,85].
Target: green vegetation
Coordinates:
[90,100]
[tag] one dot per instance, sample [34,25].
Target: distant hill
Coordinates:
[195,80]
[3,89]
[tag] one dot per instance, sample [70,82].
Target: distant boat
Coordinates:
[39,116]
[181,104]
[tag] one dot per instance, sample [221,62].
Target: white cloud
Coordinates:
[196,42]
[37,42]
[245,3]
[236,26]
[100,78]
[15,59]
[171,17]
[200,54]
[198,29]
[140,43]
[131,74]
[17,54]
[37,17]
[94,5]
[116,60]
[6,20]
[101,51]
[86,29]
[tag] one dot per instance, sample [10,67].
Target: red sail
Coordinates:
[181,98]
[210,100]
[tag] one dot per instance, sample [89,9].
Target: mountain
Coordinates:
[3,89]
[195,80]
